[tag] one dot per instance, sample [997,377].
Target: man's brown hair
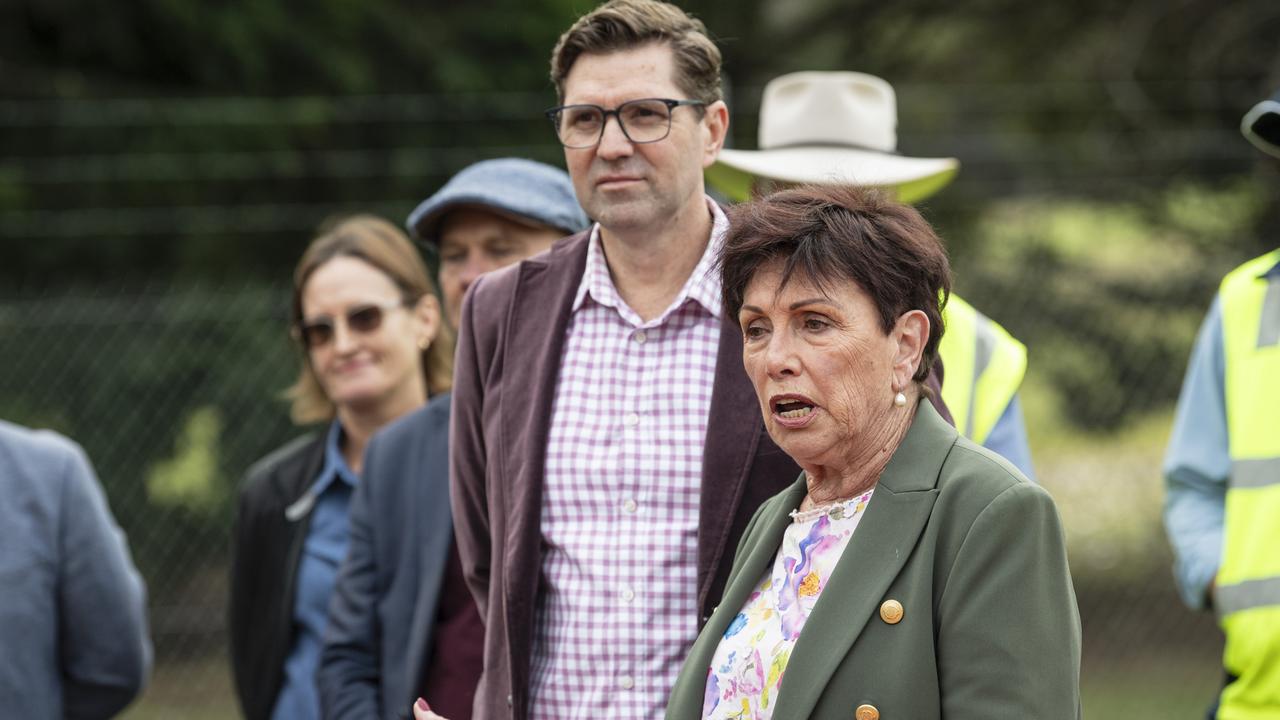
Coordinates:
[626,24]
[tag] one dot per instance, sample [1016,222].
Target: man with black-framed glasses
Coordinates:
[607,449]
[600,397]
[645,120]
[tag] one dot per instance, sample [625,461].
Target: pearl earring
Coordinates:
[900,400]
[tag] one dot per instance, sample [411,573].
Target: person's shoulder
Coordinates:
[488,301]
[410,428]
[292,457]
[42,468]
[36,443]
[977,476]
[984,502]
[41,460]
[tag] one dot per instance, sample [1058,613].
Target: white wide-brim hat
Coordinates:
[828,128]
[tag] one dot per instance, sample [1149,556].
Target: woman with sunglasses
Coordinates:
[369,326]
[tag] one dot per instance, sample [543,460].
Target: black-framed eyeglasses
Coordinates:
[645,120]
[318,331]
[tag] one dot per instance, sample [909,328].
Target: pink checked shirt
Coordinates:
[617,610]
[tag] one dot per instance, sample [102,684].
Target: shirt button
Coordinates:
[628,595]
[640,337]
[630,505]
[632,420]
[626,682]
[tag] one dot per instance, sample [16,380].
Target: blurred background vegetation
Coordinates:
[163,162]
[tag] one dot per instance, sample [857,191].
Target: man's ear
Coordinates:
[715,125]
[427,312]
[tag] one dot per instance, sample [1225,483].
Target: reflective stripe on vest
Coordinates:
[983,365]
[1247,587]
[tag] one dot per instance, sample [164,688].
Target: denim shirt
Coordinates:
[322,554]
[1197,464]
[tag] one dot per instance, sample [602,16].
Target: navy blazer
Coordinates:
[385,602]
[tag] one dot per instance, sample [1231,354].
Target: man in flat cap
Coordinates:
[402,623]
[490,215]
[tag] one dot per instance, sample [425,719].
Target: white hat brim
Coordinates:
[735,171]
[1251,118]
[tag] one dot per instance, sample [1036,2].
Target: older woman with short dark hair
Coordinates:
[908,573]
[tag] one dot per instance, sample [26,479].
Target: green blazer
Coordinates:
[975,555]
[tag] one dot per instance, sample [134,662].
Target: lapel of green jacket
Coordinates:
[760,546]
[875,555]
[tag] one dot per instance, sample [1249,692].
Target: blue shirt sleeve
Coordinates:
[1009,438]
[1197,465]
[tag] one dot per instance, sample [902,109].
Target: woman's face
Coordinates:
[824,371]
[363,368]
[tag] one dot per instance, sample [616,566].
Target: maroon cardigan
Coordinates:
[509,347]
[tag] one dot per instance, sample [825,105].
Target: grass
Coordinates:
[187,689]
[1155,687]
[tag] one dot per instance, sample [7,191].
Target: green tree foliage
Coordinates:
[1108,296]
[270,47]
[190,479]
[244,123]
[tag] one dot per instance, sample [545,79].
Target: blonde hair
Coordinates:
[382,245]
[626,24]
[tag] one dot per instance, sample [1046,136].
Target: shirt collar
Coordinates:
[1273,273]
[702,286]
[335,465]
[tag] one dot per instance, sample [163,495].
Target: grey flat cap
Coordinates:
[525,191]
[1262,125]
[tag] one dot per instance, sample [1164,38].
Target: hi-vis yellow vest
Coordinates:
[1247,589]
[982,366]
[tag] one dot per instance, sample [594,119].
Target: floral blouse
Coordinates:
[749,663]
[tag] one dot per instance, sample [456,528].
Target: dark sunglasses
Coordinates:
[363,319]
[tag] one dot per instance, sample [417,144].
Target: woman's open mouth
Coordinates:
[792,410]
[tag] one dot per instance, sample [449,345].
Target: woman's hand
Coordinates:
[422,711]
